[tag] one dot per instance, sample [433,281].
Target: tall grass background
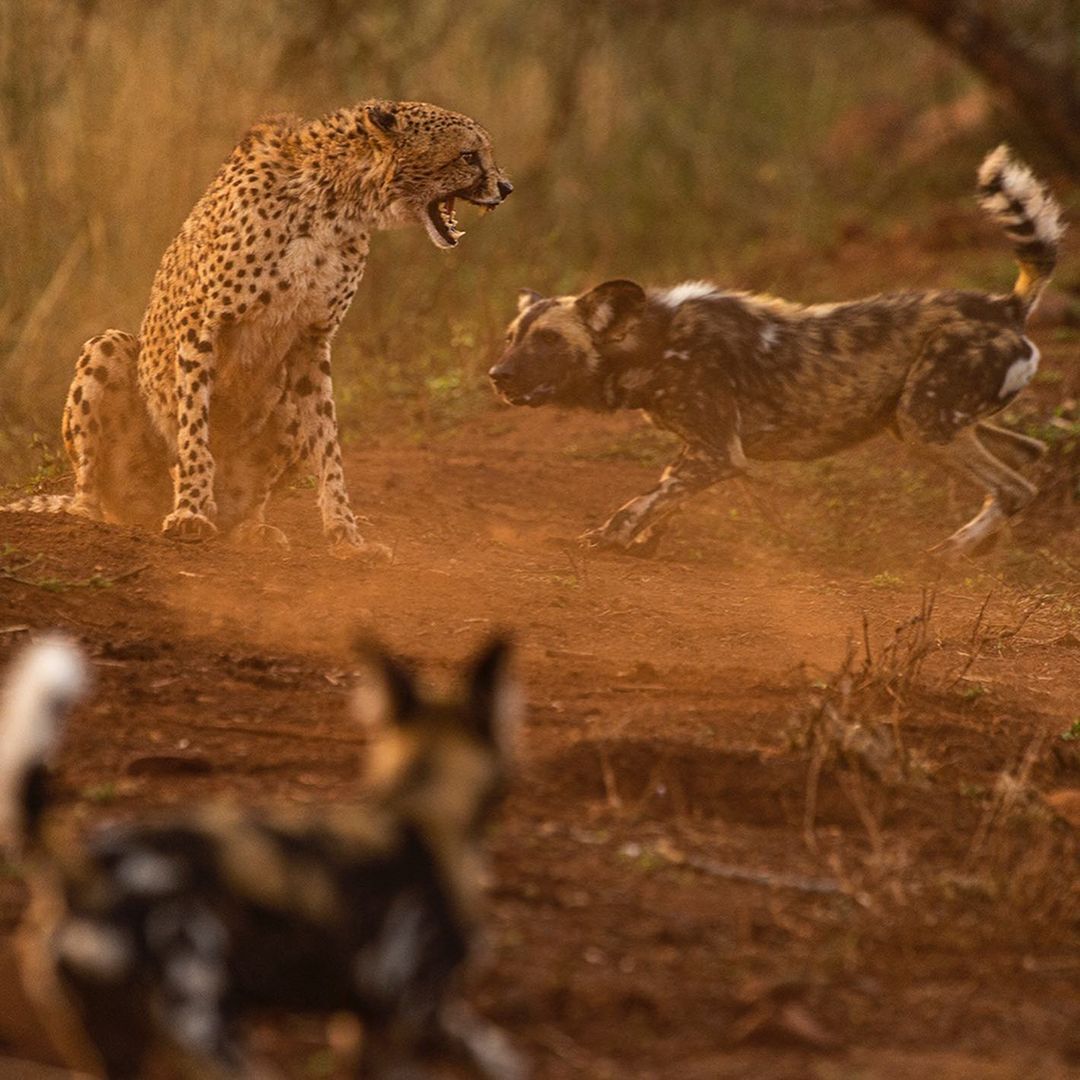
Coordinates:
[663,141]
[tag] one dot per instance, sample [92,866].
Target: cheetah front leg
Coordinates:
[194,509]
[313,392]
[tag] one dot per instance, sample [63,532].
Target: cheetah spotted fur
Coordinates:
[229,381]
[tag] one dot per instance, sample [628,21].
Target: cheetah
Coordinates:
[229,380]
[738,376]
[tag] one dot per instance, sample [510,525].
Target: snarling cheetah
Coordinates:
[228,382]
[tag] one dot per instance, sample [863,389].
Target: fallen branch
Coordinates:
[767,878]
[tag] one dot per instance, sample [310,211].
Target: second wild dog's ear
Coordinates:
[495,700]
[526,299]
[388,693]
[611,306]
[381,122]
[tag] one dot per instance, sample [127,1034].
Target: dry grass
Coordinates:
[996,845]
[643,142]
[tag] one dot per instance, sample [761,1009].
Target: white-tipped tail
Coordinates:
[1021,204]
[44,683]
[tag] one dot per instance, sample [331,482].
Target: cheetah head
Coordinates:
[434,157]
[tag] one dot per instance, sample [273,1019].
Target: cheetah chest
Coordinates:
[315,279]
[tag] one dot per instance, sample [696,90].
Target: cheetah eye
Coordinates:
[471,157]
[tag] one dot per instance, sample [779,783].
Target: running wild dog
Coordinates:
[162,938]
[740,376]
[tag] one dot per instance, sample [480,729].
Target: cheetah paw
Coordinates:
[257,534]
[363,550]
[188,526]
[347,543]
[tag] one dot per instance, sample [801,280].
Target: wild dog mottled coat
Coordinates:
[162,937]
[741,376]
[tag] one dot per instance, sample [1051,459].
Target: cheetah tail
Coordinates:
[44,683]
[1022,205]
[41,504]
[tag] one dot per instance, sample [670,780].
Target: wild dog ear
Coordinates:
[611,305]
[495,700]
[381,121]
[526,299]
[388,694]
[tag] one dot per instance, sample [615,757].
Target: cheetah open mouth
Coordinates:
[441,223]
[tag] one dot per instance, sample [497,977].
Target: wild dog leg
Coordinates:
[1014,449]
[943,396]
[1007,491]
[695,469]
[479,1044]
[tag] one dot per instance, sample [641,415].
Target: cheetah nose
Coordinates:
[505,187]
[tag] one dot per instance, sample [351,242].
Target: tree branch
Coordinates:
[1047,100]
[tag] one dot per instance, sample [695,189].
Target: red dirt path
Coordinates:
[661,758]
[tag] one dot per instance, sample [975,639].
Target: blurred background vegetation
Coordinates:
[815,149]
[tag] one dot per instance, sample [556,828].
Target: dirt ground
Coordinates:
[718,860]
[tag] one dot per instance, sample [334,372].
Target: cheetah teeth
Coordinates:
[446,212]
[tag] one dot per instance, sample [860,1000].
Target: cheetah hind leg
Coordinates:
[119,459]
[246,474]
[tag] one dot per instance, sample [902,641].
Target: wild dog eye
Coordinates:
[471,157]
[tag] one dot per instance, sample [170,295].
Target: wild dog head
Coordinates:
[432,157]
[561,350]
[443,760]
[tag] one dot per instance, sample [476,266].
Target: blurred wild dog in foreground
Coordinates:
[741,376]
[161,938]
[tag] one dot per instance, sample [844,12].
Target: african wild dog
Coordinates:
[162,938]
[741,376]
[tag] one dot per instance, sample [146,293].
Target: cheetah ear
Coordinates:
[381,121]
[526,299]
[610,306]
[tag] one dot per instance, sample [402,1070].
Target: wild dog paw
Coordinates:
[978,537]
[488,1047]
[188,526]
[961,546]
[347,543]
[642,546]
[601,540]
[257,534]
